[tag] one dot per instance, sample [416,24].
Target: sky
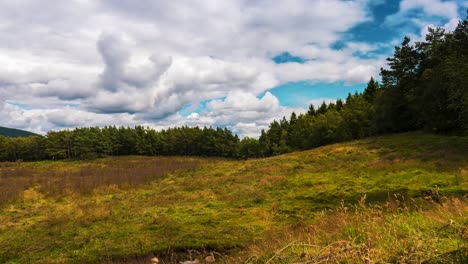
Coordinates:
[234,63]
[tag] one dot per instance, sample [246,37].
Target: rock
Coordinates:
[210,259]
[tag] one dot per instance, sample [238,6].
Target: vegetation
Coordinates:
[424,88]
[11,132]
[399,198]
[94,142]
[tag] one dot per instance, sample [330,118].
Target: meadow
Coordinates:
[389,199]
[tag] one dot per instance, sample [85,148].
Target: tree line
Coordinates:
[95,142]
[424,88]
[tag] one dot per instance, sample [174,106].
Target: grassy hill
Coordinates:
[11,132]
[399,198]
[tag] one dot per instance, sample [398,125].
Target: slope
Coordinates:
[12,132]
[397,198]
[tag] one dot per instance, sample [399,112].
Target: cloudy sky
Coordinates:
[233,63]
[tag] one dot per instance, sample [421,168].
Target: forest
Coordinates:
[11,132]
[425,87]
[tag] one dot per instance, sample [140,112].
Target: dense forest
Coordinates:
[425,87]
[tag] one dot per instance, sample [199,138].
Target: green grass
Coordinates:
[255,211]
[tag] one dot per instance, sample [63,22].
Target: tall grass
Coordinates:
[303,207]
[13,181]
[62,178]
[396,232]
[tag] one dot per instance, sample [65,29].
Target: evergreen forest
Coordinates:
[424,87]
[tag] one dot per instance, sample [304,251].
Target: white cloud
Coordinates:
[63,89]
[140,62]
[245,102]
[43,120]
[352,71]
[240,110]
[446,9]
[449,26]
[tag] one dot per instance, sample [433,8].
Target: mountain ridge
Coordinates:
[13,132]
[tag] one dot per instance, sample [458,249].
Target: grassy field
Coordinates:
[399,198]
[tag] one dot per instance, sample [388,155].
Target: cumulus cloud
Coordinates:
[125,86]
[234,28]
[243,112]
[63,89]
[81,63]
[421,35]
[192,80]
[159,85]
[43,120]
[432,7]
[445,9]
[115,56]
[352,71]
[245,102]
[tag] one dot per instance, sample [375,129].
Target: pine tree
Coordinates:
[371,90]
[339,105]
[322,109]
[311,110]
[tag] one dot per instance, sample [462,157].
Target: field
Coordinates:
[399,198]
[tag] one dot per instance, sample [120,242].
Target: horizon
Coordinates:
[235,64]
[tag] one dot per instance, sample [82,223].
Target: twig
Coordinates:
[281,250]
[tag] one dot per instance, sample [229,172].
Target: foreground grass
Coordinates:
[267,210]
[395,232]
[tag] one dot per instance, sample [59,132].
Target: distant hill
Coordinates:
[12,132]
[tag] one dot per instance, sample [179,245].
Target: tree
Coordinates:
[311,110]
[326,129]
[274,133]
[398,109]
[444,78]
[322,109]
[264,141]
[249,148]
[403,65]
[282,146]
[59,144]
[339,105]
[371,90]
[357,117]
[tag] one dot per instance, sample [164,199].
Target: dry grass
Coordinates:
[128,209]
[60,179]
[397,232]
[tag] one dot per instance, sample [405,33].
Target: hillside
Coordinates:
[399,198]
[11,132]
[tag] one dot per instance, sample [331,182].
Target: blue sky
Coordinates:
[378,31]
[234,63]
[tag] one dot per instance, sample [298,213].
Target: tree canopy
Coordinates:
[424,87]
